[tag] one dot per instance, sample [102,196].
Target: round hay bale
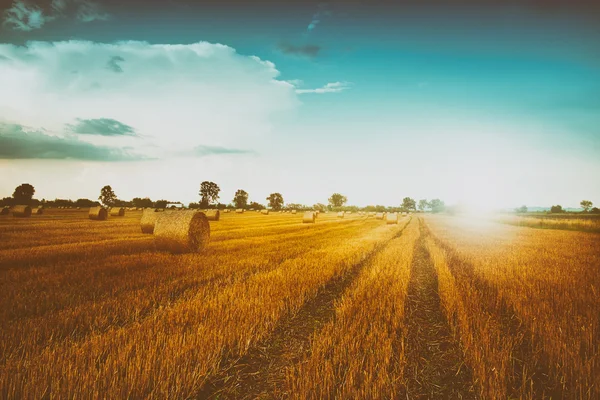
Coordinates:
[117,212]
[39,211]
[379,216]
[294,211]
[264,212]
[182,232]
[341,214]
[226,211]
[21,211]
[213,215]
[391,218]
[148,220]
[309,217]
[239,211]
[5,211]
[98,213]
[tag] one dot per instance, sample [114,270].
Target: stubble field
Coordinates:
[434,307]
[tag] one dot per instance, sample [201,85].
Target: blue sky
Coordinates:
[458,102]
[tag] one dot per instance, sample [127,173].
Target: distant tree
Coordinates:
[194,206]
[7,201]
[337,200]
[275,201]
[423,204]
[256,206]
[319,207]
[437,205]
[161,203]
[556,209]
[409,204]
[23,194]
[240,199]
[295,206]
[107,196]
[85,203]
[209,193]
[138,202]
[586,205]
[521,210]
[595,210]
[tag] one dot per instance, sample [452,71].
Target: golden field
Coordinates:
[434,307]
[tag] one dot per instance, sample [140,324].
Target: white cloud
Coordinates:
[333,87]
[176,96]
[24,17]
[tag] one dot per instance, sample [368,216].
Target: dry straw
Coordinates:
[21,211]
[265,212]
[239,211]
[182,232]
[340,214]
[117,212]
[391,218]
[213,215]
[309,217]
[379,216]
[148,220]
[98,213]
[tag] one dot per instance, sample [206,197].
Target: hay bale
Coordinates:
[391,218]
[341,214]
[21,211]
[117,212]
[348,212]
[309,217]
[239,211]
[294,211]
[213,215]
[379,216]
[5,211]
[264,212]
[226,211]
[148,220]
[182,232]
[39,211]
[98,213]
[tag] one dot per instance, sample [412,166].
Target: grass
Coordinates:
[587,223]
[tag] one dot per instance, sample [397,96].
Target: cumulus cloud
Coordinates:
[23,16]
[309,50]
[16,142]
[102,127]
[333,87]
[175,96]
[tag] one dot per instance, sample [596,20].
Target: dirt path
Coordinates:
[435,367]
[260,374]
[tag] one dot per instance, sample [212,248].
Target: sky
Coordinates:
[494,105]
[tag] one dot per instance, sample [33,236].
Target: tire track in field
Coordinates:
[526,356]
[435,367]
[261,372]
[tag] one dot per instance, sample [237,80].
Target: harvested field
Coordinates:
[433,307]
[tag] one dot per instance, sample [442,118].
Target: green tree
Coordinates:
[556,209]
[23,194]
[586,205]
[138,202]
[337,200]
[423,204]
[409,204]
[107,196]
[161,203]
[209,193]
[240,199]
[256,206]
[275,201]
[521,210]
[437,205]
[319,207]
